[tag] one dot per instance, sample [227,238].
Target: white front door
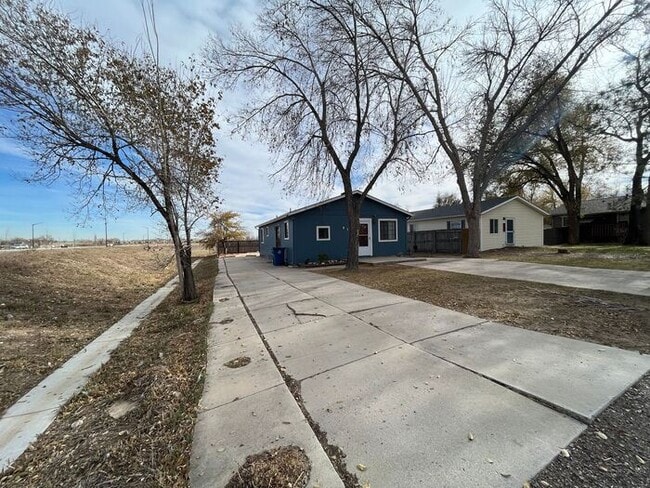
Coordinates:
[510,232]
[365,237]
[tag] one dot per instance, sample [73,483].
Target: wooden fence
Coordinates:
[433,241]
[236,247]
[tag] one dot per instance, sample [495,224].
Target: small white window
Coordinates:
[387,230]
[285,230]
[322,232]
[266,231]
[262,236]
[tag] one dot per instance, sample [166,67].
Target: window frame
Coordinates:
[379,221]
[262,236]
[285,230]
[495,229]
[329,233]
[266,231]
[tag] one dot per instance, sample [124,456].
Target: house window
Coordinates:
[322,232]
[262,236]
[494,226]
[564,221]
[266,231]
[455,224]
[411,228]
[387,230]
[285,230]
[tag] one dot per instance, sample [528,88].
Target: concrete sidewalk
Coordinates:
[614,280]
[421,395]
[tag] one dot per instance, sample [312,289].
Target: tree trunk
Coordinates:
[189,292]
[634,228]
[644,238]
[183,256]
[353,204]
[472,216]
[573,216]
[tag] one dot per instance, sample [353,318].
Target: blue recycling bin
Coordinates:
[278,256]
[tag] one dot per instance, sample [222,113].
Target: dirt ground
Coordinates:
[53,302]
[608,256]
[623,459]
[132,423]
[607,318]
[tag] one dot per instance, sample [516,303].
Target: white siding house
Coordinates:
[504,222]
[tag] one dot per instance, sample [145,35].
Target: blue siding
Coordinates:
[303,246]
[266,247]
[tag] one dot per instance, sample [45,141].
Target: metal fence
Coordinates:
[433,241]
[236,247]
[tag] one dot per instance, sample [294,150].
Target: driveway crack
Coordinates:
[297,314]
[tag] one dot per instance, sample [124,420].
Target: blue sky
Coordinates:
[245,187]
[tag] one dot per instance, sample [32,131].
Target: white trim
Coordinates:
[285,230]
[379,239]
[368,248]
[329,232]
[261,236]
[525,202]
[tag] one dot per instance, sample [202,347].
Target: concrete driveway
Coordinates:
[420,395]
[618,281]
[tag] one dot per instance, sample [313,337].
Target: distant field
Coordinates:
[53,302]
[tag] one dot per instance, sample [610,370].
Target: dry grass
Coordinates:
[62,299]
[281,467]
[607,256]
[597,316]
[159,370]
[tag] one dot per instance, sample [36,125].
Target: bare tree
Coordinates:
[446,199]
[626,111]
[566,157]
[104,116]
[465,78]
[316,98]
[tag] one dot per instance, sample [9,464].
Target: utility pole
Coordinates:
[34,225]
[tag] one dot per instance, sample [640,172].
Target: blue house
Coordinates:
[320,231]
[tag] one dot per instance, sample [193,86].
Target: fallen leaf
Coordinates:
[640,459]
[361,467]
[601,435]
[221,449]
[525,485]
[544,483]
[490,461]
[505,475]
[565,453]
[470,436]
[603,468]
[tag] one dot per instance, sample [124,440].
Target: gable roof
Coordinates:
[599,206]
[457,209]
[326,202]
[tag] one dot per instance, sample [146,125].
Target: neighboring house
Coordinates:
[601,220]
[506,221]
[320,231]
